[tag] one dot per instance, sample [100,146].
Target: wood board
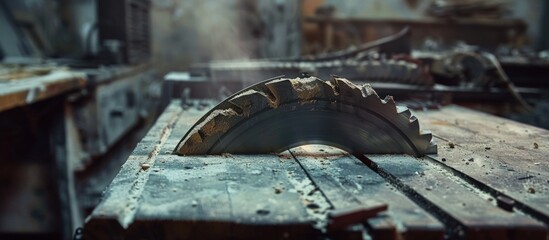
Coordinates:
[30,90]
[289,195]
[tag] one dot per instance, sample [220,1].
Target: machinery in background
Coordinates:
[420,78]
[86,33]
[124,29]
[66,125]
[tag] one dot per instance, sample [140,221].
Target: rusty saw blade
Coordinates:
[279,114]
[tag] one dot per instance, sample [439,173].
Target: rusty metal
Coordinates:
[279,114]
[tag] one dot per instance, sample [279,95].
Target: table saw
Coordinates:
[486,178]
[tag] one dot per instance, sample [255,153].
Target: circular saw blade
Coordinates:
[279,114]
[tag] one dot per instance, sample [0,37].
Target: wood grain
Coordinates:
[497,153]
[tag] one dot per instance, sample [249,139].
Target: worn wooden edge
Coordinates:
[166,229]
[26,91]
[119,202]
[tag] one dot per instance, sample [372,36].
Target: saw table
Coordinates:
[489,180]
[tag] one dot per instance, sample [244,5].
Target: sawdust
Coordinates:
[145,166]
[278,189]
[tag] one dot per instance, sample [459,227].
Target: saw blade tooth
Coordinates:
[348,91]
[279,89]
[432,148]
[217,122]
[200,133]
[200,137]
[389,101]
[231,105]
[333,83]
[404,111]
[332,88]
[307,89]
[328,90]
[264,89]
[192,144]
[413,118]
[367,90]
[414,124]
[252,101]
[426,135]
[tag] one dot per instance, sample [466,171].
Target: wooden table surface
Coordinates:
[489,180]
[29,90]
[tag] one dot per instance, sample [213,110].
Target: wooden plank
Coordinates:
[119,204]
[498,154]
[29,90]
[212,197]
[241,196]
[467,211]
[203,197]
[347,182]
[491,125]
[506,139]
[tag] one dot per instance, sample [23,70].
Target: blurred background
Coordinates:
[82,81]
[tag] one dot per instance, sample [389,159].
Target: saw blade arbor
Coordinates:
[279,114]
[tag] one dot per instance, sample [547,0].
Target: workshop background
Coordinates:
[83,81]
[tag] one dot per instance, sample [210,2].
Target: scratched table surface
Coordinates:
[489,180]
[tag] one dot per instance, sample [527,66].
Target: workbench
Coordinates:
[489,180]
[32,139]
[55,123]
